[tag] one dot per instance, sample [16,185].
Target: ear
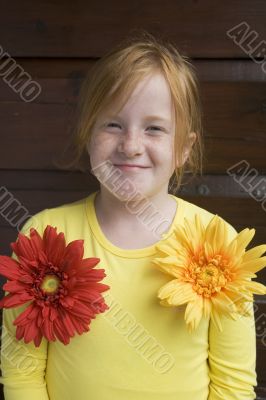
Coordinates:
[190,141]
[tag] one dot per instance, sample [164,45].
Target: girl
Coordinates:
[140,125]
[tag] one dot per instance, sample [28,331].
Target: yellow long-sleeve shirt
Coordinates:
[138,349]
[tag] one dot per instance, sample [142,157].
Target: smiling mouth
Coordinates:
[130,167]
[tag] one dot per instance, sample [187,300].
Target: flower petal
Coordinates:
[223,303]
[73,255]
[22,247]
[167,248]
[171,269]
[36,242]
[216,234]
[15,286]
[14,300]
[182,296]
[255,287]
[193,313]
[243,239]
[48,330]
[253,265]
[58,250]
[60,332]
[207,306]
[30,313]
[255,252]
[9,267]
[167,289]
[216,319]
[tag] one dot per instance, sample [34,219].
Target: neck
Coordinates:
[154,211]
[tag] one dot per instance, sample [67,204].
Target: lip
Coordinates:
[128,167]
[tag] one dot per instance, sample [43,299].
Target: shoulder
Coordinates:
[63,217]
[191,209]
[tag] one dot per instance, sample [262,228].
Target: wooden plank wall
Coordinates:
[57,42]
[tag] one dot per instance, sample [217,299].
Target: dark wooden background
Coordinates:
[57,42]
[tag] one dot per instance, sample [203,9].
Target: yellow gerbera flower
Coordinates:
[212,275]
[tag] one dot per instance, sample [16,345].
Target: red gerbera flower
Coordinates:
[63,288]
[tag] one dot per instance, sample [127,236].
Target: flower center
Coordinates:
[50,283]
[208,276]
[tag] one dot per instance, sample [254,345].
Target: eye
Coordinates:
[113,124]
[155,128]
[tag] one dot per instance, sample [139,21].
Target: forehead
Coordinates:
[153,89]
[151,97]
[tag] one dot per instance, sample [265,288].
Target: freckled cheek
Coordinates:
[165,160]
[101,141]
[101,148]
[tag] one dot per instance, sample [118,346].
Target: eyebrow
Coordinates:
[148,117]
[157,118]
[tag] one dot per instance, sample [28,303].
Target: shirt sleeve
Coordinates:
[22,364]
[232,358]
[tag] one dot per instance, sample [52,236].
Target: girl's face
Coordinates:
[141,134]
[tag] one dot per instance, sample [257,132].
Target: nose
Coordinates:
[131,143]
